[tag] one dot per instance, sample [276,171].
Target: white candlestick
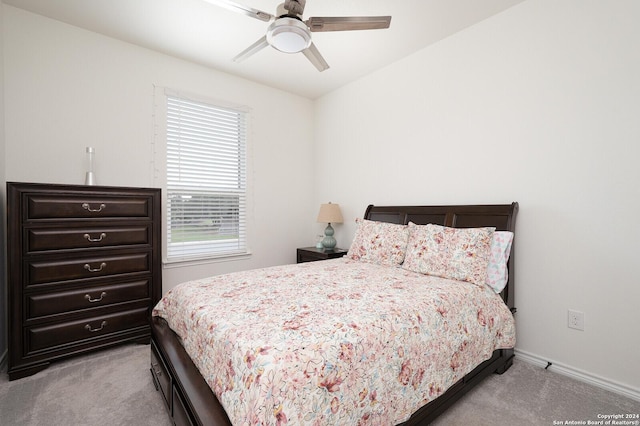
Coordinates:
[90,178]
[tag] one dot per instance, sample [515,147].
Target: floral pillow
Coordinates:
[497,273]
[379,242]
[457,253]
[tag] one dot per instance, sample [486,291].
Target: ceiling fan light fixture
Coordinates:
[288,35]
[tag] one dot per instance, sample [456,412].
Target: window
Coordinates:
[205,180]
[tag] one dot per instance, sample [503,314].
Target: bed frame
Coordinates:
[190,401]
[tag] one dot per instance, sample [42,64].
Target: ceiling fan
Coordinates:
[288,33]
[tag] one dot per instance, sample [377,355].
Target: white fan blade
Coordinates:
[313,54]
[235,7]
[255,47]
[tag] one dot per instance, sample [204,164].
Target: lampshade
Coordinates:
[330,213]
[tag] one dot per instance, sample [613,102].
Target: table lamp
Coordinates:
[329,213]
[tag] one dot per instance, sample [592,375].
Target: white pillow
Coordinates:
[497,272]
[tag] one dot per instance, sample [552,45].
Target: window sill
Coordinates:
[169,264]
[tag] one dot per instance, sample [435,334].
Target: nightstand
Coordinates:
[311,254]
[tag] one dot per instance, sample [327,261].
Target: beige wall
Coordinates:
[3,218]
[539,105]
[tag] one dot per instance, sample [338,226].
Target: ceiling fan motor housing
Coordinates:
[295,7]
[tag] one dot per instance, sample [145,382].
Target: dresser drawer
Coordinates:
[41,305]
[91,206]
[44,239]
[50,336]
[180,414]
[46,271]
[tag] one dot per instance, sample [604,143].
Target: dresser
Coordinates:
[84,270]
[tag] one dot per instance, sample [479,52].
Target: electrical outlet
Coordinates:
[576,320]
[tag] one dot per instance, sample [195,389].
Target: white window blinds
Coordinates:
[206,180]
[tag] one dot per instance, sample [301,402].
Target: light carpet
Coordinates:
[111,387]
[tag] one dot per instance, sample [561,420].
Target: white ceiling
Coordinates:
[210,35]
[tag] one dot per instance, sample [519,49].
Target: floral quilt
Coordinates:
[337,342]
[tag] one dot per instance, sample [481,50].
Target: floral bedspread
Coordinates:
[336,342]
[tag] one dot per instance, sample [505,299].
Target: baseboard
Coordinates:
[583,376]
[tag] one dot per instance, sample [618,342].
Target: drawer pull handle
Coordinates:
[88,267]
[93,330]
[156,369]
[87,207]
[95,240]
[88,297]
[154,380]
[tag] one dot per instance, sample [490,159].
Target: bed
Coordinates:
[342,385]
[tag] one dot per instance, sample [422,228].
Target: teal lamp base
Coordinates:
[328,242]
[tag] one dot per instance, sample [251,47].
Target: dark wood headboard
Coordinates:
[500,216]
